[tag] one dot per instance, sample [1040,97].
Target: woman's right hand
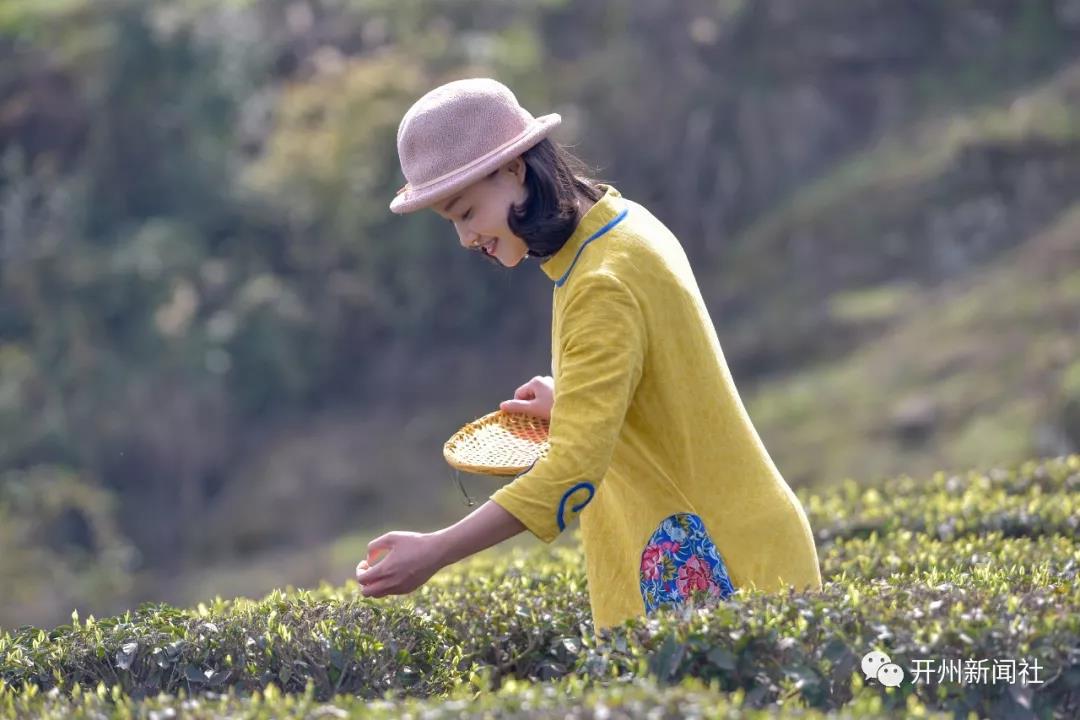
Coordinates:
[533,398]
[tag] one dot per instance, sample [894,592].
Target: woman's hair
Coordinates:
[553,178]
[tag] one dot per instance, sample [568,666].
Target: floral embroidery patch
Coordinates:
[679,561]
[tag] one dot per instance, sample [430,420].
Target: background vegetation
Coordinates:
[225,365]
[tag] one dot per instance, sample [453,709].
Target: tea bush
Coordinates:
[966,569]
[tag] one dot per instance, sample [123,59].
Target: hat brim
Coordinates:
[411,200]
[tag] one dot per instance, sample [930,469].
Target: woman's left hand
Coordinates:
[408,561]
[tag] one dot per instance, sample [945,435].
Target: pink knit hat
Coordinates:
[458,133]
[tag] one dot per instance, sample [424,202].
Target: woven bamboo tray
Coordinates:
[499,443]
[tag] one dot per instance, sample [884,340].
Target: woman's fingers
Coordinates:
[369,590]
[526,398]
[382,544]
[528,390]
[375,591]
[379,581]
[371,573]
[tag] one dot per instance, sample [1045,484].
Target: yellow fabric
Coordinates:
[647,414]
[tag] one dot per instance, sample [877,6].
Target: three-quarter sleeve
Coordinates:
[601,357]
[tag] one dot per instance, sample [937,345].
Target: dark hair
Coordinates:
[547,218]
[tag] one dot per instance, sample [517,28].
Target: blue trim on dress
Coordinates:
[575,508]
[610,224]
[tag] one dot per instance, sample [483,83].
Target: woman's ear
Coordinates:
[517,167]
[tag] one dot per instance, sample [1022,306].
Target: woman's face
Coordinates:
[479,213]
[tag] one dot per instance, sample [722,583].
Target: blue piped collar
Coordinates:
[608,212]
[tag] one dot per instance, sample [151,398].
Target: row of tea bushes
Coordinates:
[515,700]
[507,621]
[347,645]
[771,646]
[1037,498]
[906,552]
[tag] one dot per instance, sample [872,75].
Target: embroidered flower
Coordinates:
[669,547]
[694,574]
[652,562]
[673,531]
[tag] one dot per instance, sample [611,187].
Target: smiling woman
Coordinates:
[650,446]
[528,207]
[508,190]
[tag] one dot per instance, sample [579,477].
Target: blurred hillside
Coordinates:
[219,350]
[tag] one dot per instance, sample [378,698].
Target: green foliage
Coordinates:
[920,571]
[196,252]
[904,214]
[566,697]
[60,540]
[964,378]
[884,302]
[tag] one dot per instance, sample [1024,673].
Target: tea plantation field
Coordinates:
[967,582]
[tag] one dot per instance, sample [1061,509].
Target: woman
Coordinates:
[649,441]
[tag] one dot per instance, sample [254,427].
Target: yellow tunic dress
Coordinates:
[650,444]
